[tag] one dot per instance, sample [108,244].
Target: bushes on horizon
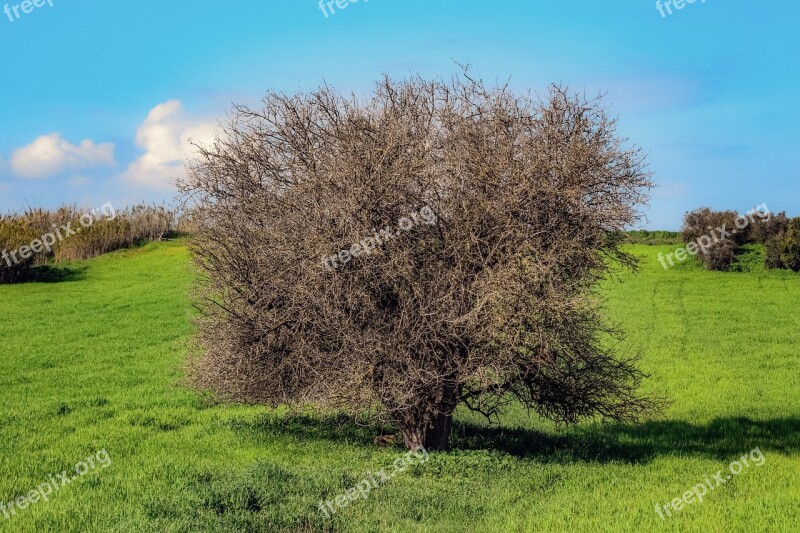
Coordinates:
[132,226]
[720,234]
[772,253]
[783,250]
[651,237]
[150,223]
[702,225]
[763,230]
[15,232]
[99,238]
[702,222]
[790,250]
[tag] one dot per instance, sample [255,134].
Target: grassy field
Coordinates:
[91,360]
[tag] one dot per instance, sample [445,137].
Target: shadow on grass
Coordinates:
[723,439]
[55,274]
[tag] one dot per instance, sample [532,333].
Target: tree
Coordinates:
[717,235]
[16,232]
[783,249]
[766,228]
[503,213]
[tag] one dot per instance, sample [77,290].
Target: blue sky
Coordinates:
[99,98]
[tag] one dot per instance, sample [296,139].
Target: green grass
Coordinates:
[91,360]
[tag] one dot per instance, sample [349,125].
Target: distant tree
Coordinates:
[720,255]
[511,211]
[764,229]
[781,242]
[789,246]
[772,252]
[704,222]
[717,234]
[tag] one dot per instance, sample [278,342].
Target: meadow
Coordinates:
[91,360]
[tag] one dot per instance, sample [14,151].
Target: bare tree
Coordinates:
[488,299]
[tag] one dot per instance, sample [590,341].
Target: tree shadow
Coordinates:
[55,274]
[723,439]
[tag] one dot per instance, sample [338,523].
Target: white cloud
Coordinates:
[165,138]
[52,154]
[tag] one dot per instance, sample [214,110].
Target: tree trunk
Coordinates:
[431,425]
[437,437]
[432,435]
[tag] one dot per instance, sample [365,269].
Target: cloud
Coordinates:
[165,138]
[51,154]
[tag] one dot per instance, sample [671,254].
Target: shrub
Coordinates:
[702,226]
[133,226]
[763,230]
[783,249]
[149,223]
[772,252]
[101,237]
[107,232]
[790,246]
[719,234]
[719,256]
[705,222]
[512,208]
[14,233]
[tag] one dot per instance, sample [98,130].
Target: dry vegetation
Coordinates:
[779,235]
[126,228]
[492,303]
